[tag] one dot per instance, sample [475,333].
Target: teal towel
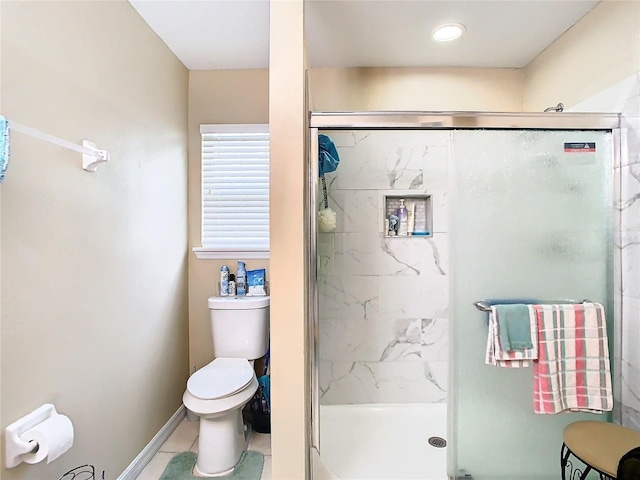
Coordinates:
[515,326]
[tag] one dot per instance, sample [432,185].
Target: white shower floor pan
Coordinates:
[383,442]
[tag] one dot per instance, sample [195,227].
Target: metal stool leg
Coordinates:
[574,472]
[585,473]
[566,464]
[564,458]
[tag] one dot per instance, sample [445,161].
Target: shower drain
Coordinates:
[437,442]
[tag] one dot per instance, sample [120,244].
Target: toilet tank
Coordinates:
[239,326]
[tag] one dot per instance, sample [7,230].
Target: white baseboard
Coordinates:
[147,453]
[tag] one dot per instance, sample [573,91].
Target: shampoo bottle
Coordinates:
[403,219]
[241,279]
[412,218]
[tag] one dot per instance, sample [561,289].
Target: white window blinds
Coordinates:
[235,188]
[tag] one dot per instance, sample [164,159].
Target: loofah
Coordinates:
[327,220]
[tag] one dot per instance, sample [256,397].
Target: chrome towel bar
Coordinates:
[484,306]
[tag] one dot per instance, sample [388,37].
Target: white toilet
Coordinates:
[218,391]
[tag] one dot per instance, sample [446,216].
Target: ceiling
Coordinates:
[234,34]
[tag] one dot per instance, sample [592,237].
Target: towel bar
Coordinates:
[484,306]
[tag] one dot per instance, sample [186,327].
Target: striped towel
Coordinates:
[572,372]
[499,357]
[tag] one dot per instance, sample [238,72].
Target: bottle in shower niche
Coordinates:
[403,219]
[224,281]
[241,279]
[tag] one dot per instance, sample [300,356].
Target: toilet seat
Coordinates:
[221,378]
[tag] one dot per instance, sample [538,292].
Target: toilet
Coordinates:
[218,391]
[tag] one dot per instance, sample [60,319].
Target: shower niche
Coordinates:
[420,207]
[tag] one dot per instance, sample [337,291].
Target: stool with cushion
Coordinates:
[602,447]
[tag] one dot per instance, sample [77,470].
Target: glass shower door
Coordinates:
[531,217]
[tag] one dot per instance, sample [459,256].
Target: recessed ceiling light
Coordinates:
[448,32]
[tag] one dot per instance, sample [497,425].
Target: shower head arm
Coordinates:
[558,108]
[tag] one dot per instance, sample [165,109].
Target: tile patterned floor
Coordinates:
[185,438]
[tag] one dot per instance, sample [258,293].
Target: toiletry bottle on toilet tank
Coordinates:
[224,281]
[403,219]
[232,285]
[241,279]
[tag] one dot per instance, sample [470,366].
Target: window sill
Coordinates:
[204,253]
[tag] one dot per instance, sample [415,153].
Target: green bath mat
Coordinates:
[181,465]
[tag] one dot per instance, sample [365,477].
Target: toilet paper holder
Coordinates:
[15,446]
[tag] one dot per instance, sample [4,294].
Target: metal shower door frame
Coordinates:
[446,121]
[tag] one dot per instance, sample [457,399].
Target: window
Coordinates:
[235,191]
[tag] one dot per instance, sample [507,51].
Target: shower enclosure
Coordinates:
[504,206]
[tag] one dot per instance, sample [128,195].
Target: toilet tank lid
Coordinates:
[238,303]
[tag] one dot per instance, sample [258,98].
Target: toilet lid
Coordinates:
[221,378]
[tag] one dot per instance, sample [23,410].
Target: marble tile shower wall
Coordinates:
[384,301]
[630,259]
[625,97]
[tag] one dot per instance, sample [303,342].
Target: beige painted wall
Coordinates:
[430,89]
[599,51]
[288,127]
[94,267]
[215,96]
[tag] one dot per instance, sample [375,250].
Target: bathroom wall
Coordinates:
[288,114]
[94,267]
[428,89]
[384,300]
[215,96]
[625,97]
[630,259]
[602,49]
